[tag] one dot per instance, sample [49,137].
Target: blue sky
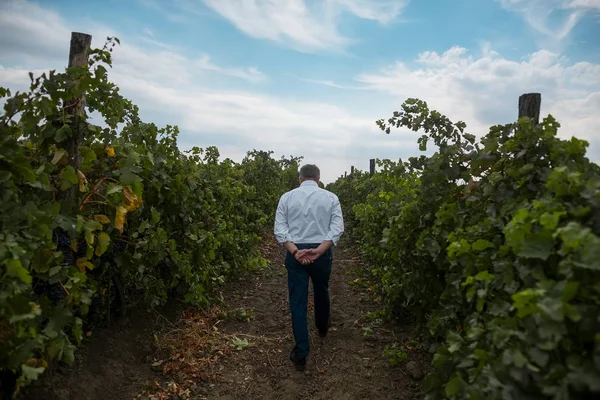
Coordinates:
[310,77]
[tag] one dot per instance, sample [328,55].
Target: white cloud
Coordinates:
[176,89]
[251,74]
[305,25]
[537,13]
[171,88]
[383,11]
[27,26]
[484,90]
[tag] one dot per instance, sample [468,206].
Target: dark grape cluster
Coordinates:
[61,238]
[163,268]
[56,293]
[68,257]
[63,244]
[119,246]
[81,247]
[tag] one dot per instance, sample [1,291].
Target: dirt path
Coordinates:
[246,354]
[345,365]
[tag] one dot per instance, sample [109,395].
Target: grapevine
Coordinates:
[493,245]
[148,220]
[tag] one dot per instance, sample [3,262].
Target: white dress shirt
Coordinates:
[308,214]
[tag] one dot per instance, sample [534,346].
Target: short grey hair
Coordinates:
[310,171]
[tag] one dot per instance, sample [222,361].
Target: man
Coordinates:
[308,223]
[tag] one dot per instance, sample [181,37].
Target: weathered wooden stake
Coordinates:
[78,57]
[530,105]
[345,173]
[352,170]
[371,166]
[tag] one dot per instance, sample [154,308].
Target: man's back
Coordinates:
[308,214]
[308,222]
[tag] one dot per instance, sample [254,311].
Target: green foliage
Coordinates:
[395,355]
[147,220]
[238,344]
[495,246]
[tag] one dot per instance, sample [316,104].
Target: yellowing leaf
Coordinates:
[60,153]
[110,151]
[132,201]
[120,217]
[89,236]
[82,181]
[103,241]
[84,263]
[103,219]
[74,245]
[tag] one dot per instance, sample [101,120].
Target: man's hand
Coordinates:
[300,256]
[312,254]
[308,256]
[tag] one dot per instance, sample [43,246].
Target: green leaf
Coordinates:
[455,386]
[539,357]
[55,347]
[589,253]
[80,223]
[15,269]
[481,244]
[87,154]
[525,301]
[519,359]
[571,312]
[471,292]
[103,242]
[78,330]
[113,188]
[31,373]
[550,220]
[143,226]
[62,133]
[129,178]
[69,177]
[484,276]
[5,175]
[570,291]
[26,172]
[479,304]
[68,355]
[539,246]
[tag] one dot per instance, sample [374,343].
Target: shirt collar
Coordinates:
[309,183]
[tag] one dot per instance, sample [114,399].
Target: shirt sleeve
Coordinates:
[336,225]
[281,229]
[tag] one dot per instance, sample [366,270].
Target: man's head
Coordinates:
[310,172]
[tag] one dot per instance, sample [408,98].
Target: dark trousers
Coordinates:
[298,275]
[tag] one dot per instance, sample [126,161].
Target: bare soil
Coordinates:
[244,355]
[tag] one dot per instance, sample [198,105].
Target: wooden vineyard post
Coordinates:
[371,166]
[78,57]
[352,170]
[345,173]
[530,105]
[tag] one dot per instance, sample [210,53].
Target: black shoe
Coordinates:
[323,332]
[299,362]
